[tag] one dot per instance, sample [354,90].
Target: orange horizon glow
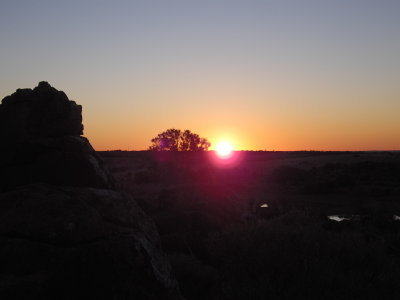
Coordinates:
[311,142]
[120,136]
[335,128]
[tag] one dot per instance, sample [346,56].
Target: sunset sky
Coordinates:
[264,75]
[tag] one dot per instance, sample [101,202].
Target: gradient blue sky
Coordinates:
[283,75]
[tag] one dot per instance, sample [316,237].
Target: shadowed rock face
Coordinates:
[67,161]
[40,132]
[65,233]
[70,243]
[41,112]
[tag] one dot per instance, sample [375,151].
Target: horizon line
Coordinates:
[213,150]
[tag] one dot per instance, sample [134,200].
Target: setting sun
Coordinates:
[224,149]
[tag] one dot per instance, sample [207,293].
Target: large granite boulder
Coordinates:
[40,132]
[79,243]
[65,232]
[41,112]
[67,161]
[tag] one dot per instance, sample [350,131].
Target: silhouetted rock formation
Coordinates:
[64,232]
[40,132]
[67,161]
[38,113]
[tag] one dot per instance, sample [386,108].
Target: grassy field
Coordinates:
[256,226]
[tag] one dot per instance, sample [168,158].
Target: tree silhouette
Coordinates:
[177,140]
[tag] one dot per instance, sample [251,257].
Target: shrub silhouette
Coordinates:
[177,140]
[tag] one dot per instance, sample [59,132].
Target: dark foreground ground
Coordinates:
[273,225]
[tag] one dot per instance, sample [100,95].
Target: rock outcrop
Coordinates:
[40,132]
[66,160]
[39,113]
[65,232]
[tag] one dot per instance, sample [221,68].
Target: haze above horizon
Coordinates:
[274,75]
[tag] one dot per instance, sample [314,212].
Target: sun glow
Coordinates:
[224,149]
